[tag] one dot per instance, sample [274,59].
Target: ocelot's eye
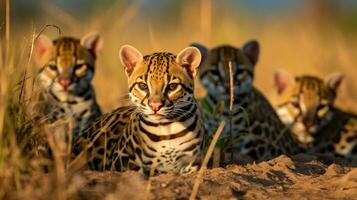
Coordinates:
[52,67]
[80,70]
[142,86]
[322,110]
[319,107]
[240,71]
[173,86]
[214,71]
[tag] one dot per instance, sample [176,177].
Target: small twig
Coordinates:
[205,161]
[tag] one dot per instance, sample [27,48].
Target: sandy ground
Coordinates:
[300,177]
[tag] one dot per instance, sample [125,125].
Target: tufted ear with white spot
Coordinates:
[334,81]
[189,58]
[93,42]
[282,80]
[251,49]
[42,45]
[129,58]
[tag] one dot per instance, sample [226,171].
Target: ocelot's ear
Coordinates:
[282,80]
[129,58]
[334,81]
[190,59]
[251,49]
[204,51]
[93,42]
[42,46]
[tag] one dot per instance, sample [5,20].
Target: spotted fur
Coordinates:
[163,126]
[306,105]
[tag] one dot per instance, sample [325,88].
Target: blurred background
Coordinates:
[302,36]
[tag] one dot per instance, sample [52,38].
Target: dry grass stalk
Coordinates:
[80,160]
[231,101]
[4,68]
[3,92]
[25,76]
[206,7]
[216,156]
[105,151]
[70,141]
[7,29]
[205,161]
[59,164]
[151,174]
[15,161]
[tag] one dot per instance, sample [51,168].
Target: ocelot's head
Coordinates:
[215,71]
[66,63]
[161,84]
[305,101]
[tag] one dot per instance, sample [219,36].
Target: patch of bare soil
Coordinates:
[300,177]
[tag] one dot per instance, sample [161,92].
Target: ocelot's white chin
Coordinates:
[313,130]
[62,92]
[302,134]
[305,138]
[156,116]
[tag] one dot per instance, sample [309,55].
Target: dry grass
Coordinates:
[208,155]
[286,43]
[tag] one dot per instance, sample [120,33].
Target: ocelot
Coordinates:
[162,129]
[306,105]
[253,128]
[64,92]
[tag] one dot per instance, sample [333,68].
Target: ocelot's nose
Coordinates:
[155,104]
[308,124]
[65,83]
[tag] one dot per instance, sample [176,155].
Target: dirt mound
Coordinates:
[300,177]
